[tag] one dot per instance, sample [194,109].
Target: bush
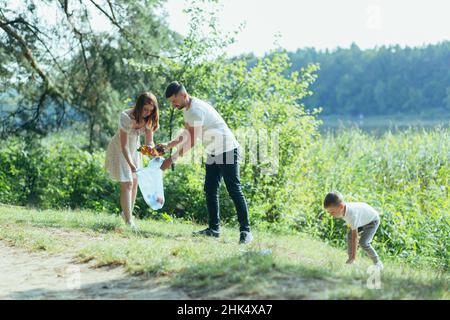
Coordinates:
[57,175]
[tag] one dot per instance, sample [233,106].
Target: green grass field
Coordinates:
[296,267]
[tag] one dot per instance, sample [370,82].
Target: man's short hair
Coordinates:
[333,198]
[174,88]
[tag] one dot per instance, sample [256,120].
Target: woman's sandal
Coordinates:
[132,225]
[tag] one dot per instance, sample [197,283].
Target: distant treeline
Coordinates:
[381,81]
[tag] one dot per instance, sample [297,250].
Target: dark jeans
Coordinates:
[224,165]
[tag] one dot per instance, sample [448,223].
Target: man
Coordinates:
[204,122]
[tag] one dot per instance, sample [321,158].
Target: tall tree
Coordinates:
[57,66]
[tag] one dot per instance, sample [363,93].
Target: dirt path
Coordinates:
[39,275]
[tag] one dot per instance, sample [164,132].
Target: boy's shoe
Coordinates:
[207,232]
[245,237]
[379,265]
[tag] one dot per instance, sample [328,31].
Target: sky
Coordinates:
[325,23]
[294,24]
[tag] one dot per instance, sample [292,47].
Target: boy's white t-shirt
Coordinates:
[358,214]
[216,135]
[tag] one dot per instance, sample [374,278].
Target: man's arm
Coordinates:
[177,140]
[173,143]
[189,136]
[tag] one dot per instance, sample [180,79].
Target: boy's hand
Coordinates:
[350,260]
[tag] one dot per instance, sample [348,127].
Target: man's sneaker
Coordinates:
[207,232]
[245,237]
[379,265]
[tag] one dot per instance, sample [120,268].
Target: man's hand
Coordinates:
[163,146]
[166,164]
[350,260]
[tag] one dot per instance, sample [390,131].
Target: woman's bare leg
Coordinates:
[125,199]
[134,193]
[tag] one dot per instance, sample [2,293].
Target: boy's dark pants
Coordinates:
[367,233]
[224,165]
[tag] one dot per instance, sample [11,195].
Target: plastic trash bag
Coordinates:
[150,181]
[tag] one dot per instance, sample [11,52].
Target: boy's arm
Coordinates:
[353,242]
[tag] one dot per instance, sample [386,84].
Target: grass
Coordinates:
[273,266]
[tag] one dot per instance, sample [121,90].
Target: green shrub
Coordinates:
[404,175]
[57,175]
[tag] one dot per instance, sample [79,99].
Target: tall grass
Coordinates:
[405,175]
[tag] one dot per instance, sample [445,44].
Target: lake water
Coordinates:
[380,124]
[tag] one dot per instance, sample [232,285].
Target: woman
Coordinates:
[122,157]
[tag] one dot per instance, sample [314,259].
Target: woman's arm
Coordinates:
[124,148]
[149,137]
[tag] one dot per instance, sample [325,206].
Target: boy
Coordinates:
[360,217]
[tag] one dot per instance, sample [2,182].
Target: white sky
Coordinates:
[311,23]
[326,23]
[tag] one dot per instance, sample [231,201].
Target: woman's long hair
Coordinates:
[143,99]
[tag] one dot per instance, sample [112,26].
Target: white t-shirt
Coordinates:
[216,136]
[358,214]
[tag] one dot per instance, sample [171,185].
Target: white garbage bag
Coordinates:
[150,181]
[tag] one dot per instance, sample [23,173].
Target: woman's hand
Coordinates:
[133,167]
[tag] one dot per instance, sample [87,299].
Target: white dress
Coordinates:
[115,163]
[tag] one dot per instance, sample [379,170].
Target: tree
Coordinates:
[68,68]
[380,81]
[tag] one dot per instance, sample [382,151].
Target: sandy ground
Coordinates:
[39,275]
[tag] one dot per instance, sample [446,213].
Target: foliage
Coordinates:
[387,80]
[404,175]
[287,167]
[58,72]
